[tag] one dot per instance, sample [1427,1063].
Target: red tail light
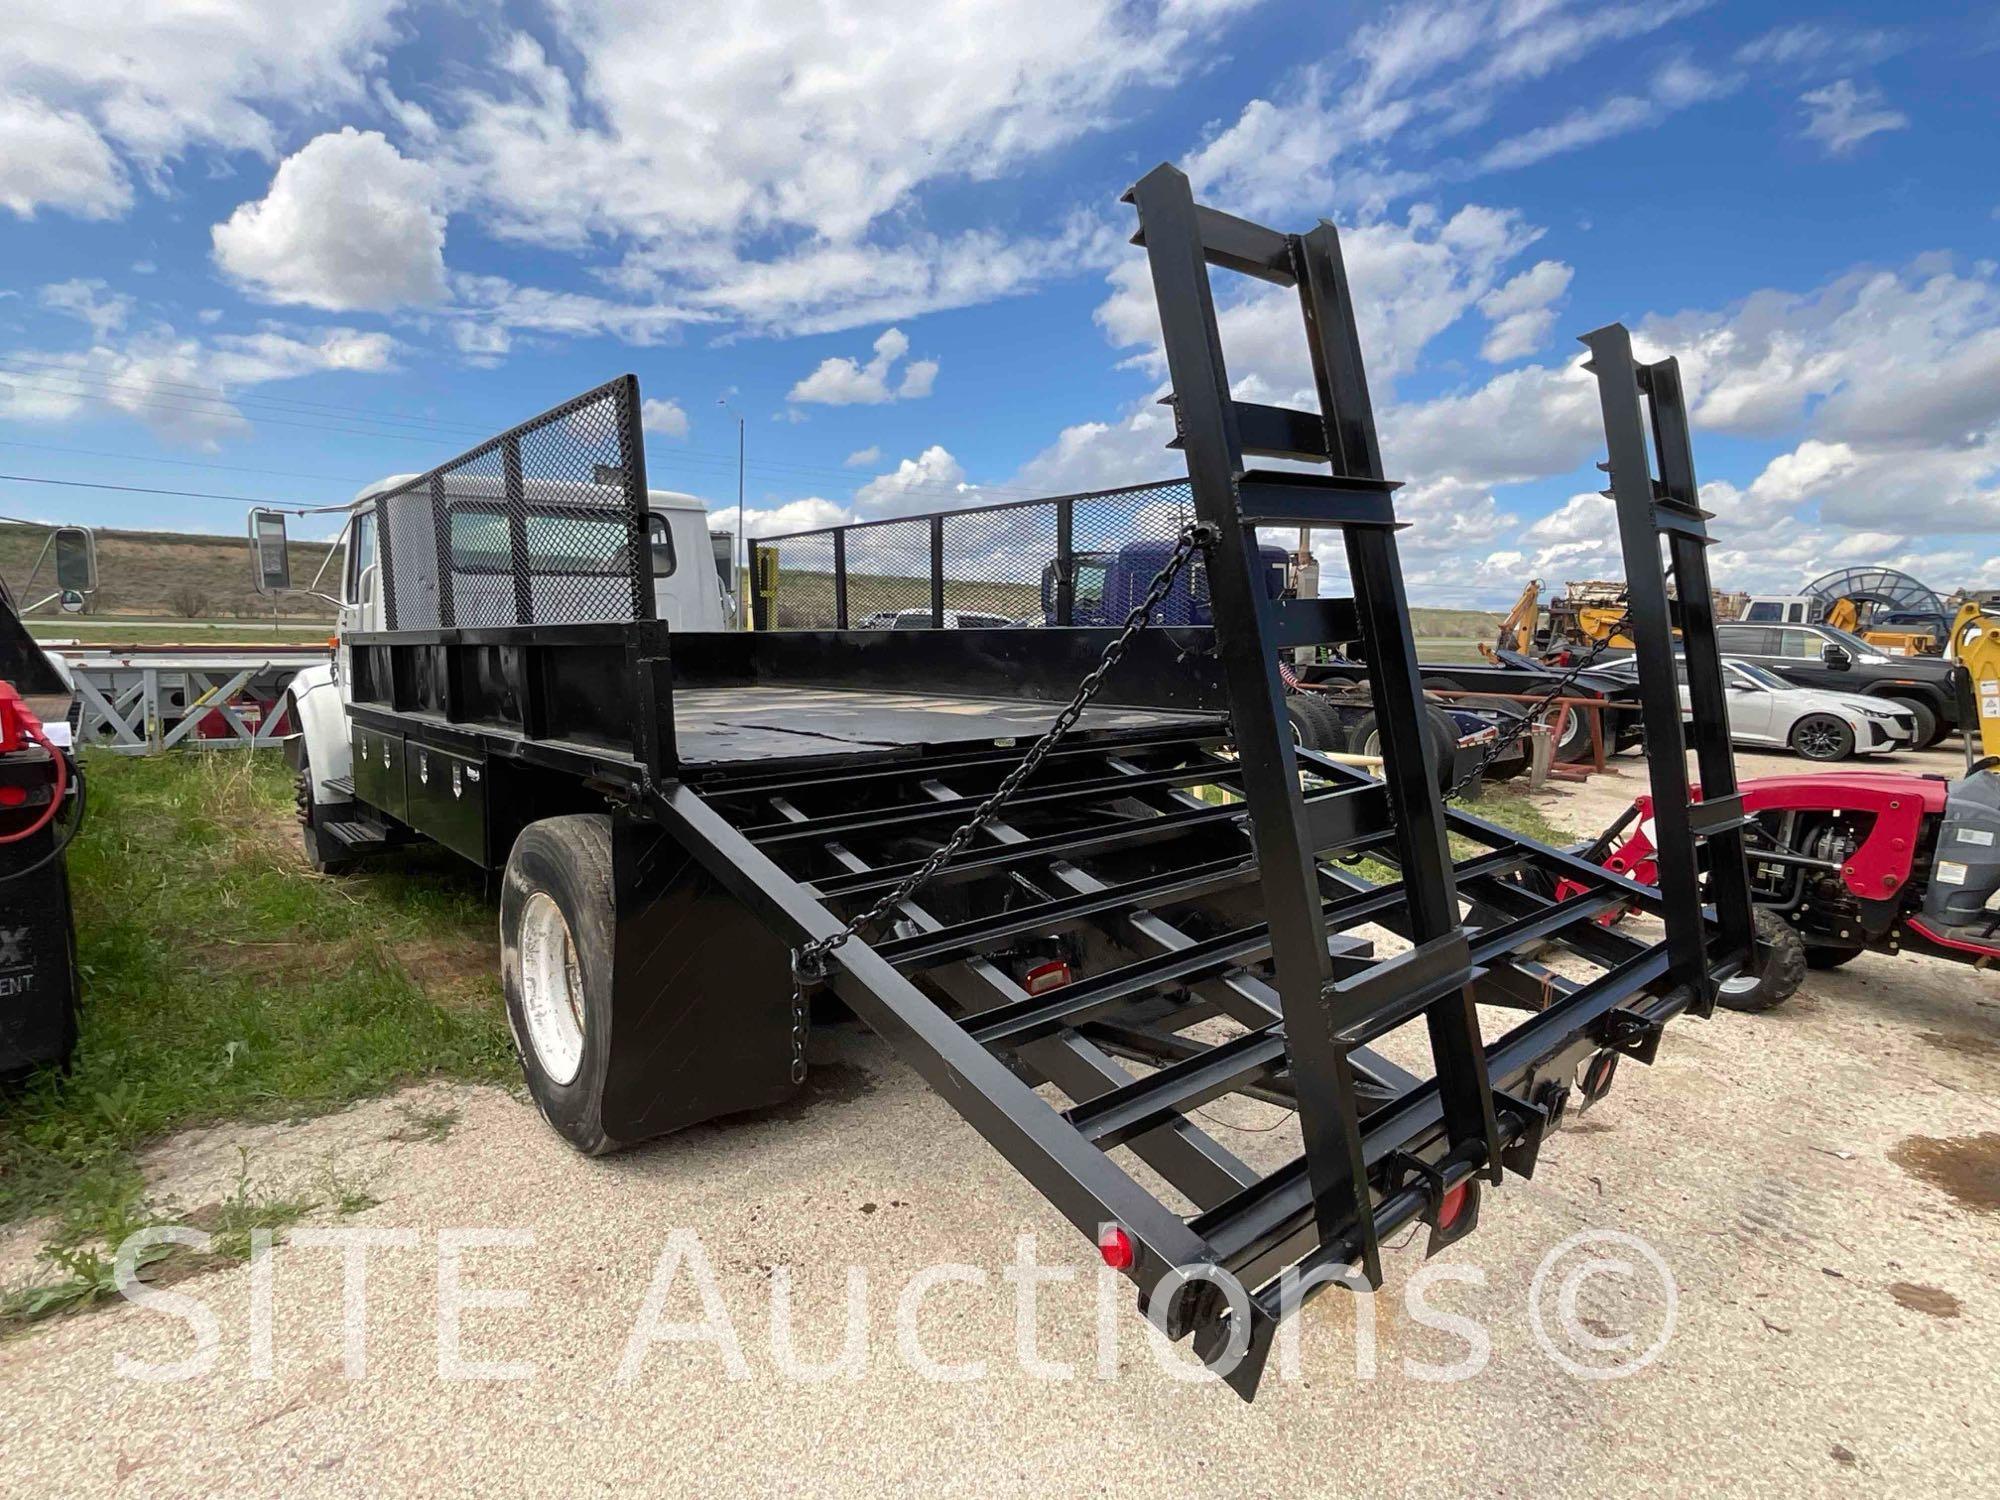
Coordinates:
[1045,977]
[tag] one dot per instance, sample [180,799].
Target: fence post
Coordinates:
[937,572]
[840,578]
[1065,562]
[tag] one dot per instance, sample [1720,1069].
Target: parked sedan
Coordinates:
[1768,712]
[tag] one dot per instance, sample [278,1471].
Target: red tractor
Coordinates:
[1843,864]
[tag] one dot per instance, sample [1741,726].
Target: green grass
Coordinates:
[223,980]
[98,631]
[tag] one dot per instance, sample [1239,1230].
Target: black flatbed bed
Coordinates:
[725,728]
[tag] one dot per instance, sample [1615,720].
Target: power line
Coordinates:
[133,489]
[182,463]
[216,392]
[213,406]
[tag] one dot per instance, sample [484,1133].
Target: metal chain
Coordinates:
[1535,709]
[809,959]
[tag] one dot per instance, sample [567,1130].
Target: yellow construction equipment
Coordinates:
[1975,642]
[1517,631]
[1844,614]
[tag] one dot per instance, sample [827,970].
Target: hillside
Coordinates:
[170,575]
[165,575]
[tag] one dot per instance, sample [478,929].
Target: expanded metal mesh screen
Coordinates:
[543,525]
[1062,561]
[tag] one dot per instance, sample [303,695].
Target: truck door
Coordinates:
[361,605]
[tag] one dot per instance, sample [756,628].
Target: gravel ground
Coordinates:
[1820,1182]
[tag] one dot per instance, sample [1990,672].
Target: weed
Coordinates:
[224,980]
[426,1125]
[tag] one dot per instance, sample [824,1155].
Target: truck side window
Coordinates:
[1802,644]
[662,537]
[1089,593]
[360,551]
[1764,610]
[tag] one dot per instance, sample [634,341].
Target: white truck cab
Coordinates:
[690,589]
[1782,609]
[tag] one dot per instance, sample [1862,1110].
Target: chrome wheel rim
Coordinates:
[551,989]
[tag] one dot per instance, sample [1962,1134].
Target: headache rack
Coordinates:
[1180,905]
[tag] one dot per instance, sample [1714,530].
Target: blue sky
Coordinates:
[280,261]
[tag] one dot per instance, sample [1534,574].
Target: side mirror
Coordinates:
[76,562]
[71,601]
[1836,657]
[1737,685]
[270,559]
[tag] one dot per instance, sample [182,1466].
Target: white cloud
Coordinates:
[861,457]
[933,480]
[84,81]
[809,514]
[1322,137]
[664,416]
[1522,312]
[840,381]
[52,158]
[348,223]
[1841,116]
[91,301]
[1675,87]
[180,386]
[1808,45]
[498,301]
[482,341]
[856,107]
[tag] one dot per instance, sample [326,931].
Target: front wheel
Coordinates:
[1822,737]
[1777,966]
[1928,729]
[555,969]
[315,843]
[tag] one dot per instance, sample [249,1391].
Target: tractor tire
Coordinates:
[1830,958]
[1778,975]
[1822,737]
[1929,730]
[556,931]
[1319,720]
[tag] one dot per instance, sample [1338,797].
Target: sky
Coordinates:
[256,262]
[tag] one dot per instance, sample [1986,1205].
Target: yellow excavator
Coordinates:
[1911,640]
[1975,645]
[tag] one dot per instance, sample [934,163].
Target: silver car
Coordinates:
[1770,713]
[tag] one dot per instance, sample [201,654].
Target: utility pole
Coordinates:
[743,566]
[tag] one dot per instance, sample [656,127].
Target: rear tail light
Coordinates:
[1045,977]
[1115,1245]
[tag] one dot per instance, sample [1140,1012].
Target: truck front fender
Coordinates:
[313,700]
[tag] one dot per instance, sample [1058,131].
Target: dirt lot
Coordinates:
[1821,1185]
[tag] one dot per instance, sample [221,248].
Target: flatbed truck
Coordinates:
[706,838]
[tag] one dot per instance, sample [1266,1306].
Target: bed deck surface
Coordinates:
[731,725]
